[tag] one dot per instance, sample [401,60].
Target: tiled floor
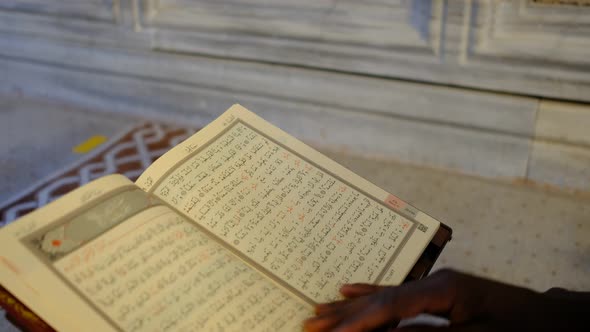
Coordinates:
[522,235]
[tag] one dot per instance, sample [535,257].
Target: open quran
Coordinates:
[239,227]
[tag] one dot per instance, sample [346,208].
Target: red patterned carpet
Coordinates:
[129,153]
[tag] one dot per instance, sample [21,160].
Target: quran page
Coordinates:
[108,257]
[304,221]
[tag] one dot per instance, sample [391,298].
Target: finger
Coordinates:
[356,290]
[424,328]
[452,328]
[390,327]
[434,295]
[324,308]
[368,318]
[332,314]
[349,291]
[321,323]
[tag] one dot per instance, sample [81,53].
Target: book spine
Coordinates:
[19,315]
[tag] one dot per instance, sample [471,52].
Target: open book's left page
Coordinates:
[107,257]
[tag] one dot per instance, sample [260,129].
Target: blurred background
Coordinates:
[474,111]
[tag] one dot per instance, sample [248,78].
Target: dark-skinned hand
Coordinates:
[468,302]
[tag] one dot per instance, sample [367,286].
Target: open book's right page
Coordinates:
[300,218]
